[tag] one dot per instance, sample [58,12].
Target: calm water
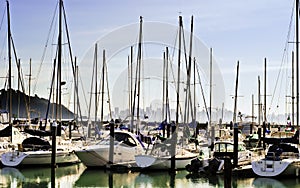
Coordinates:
[79,176]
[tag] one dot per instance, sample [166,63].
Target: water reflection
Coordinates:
[103,178]
[283,182]
[218,180]
[40,177]
[79,176]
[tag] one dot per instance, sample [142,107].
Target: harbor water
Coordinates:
[80,176]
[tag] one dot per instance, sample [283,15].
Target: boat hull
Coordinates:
[164,163]
[15,158]
[99,156]
[271,168]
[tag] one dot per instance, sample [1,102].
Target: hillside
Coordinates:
[38,106]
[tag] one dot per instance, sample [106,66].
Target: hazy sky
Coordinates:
[247,31]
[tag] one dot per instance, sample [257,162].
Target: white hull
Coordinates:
[126,146]
[272,168]
[16,158]
[164,163]
[98,156]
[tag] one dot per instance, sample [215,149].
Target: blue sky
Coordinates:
[247,31]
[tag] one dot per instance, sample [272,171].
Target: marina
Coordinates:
[145,106]
[80,176]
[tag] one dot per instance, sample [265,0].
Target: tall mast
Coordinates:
[190,66]
[293,87]
[128,82]
[131,111]
[131,76]
[178,73]
[164,86]
[77,97]
[58,110]
[75,91]
[96,83]
[107,88]
[167,85]
[297,60]
[139,70]
[174,133]
[9,62]
[19,77]
[102,88]
[259,103]
[236,90]
[29,87]
[210,87]
[252,123]
[265,92]
[195,111]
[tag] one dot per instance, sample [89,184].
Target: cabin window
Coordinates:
[224,147]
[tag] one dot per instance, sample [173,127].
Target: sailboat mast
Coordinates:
[128,82]
[9,62]
[297,60]
[131,80]
[167,115]
[195,111]
[29,88]
[210,88]
[265,92]
[96,83]
[167,85]
[190,66]
[107,88]
[102,88]
[139,70]
[178,74]
[259,104]
[174,133]
[75,91]
[236,90]
[164,86]
[58,111]
[293,87]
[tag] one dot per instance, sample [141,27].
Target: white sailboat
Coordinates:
[16,158]
[281,159]
[126,146]
[40,152]
[168,154]
[282,156]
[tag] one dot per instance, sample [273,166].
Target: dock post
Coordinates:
[235,145]
[111,141]
[168,130]
[259,136]
[53,154]
[264,134]
[173,147]
[227,172]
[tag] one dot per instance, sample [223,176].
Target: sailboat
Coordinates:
[117,148]
[166,153]
[282,156]
[281,159]
[37,151]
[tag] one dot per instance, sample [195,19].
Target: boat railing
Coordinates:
[288,155]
